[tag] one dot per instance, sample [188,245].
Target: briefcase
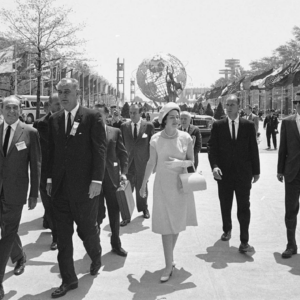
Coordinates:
[125,200]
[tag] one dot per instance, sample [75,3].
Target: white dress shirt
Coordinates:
[73,114]
[12,132]
[236,125]
[138,126]
[298,122]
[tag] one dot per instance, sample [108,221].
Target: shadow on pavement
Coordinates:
[149,287]
[293,262]
[112,262]
[135,226]
[10,294]
[221,254]
[36,224]
[84,286]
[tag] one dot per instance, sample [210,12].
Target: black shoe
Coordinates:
[288,253]
[53,246]
[245,248]
[226,236]
[20,266]
[146,214]
[95,268]
[1,292]
[63,289]
[124,223]
[119,251]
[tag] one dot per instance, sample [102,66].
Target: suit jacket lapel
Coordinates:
[295,126]
[130,129]
[241,128]
[17,135]
[142,129]
[191,129]
[108,131]
[61,123]
[226,128]
[1,137]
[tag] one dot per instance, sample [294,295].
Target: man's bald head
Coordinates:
[232,106]
[54,103]
[234,97]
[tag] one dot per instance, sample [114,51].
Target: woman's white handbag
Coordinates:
[192,182]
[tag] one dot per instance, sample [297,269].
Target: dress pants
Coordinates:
[136,178]
[109,193]
[84,214]
[273,134]
[47,203]
[292,193]
[10,243]
[227,187]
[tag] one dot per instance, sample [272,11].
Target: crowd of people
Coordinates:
[78,157]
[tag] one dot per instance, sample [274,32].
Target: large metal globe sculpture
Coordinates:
[161,78]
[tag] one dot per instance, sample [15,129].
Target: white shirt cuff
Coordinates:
[100,182]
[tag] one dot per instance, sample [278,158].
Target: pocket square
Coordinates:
[115,164]
[144,135]
[80,133]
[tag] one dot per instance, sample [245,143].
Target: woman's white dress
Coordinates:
[173,209]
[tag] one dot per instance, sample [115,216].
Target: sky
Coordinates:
[200,33]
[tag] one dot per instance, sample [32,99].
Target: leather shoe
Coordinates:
[63,289]
[146,214]
[245,248]
[1,292]
[288,253]
[95,268]
[20,266]
[119,251]
[226,236]
[124,223]
[53,246]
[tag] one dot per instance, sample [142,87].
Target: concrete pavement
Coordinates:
[206,268]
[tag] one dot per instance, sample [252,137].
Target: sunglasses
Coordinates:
[296,102]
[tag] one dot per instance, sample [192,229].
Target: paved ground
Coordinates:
[206,269]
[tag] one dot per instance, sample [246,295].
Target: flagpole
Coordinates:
[83,87]
[89,84]
[16,75]
[51,79]
[29,73]
[292,97]
[281,101]
[265,103]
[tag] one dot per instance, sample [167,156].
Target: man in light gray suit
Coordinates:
[289,168]
[136,136]
[252,117]
[19,148]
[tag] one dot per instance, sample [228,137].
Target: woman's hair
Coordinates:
[164,120]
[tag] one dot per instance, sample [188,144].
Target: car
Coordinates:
[204,123]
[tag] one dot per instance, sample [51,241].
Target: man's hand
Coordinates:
[95,189]
[217,173]
[255,178]
[32,202]
[280,177]
[143,193]
[49,188]
[123,177]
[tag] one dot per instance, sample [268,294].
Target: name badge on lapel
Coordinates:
[144,135]
[74,128]
[20,146]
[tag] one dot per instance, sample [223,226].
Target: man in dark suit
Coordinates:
[136,136]
[271,124]
[289,168]
[19,148]
[42,127]
[234,159]
[252,117]
[76,164]
[185,125]
[115,170]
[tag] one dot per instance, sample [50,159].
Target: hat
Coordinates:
[166,109]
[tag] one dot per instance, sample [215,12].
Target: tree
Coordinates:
[125,111]
[219,112]
[44,31]
[208,110]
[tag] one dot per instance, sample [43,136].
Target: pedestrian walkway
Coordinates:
[206,267]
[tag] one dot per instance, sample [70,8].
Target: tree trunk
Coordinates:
[38,90]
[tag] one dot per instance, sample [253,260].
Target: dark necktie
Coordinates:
[233,130]
[6,140]
[69,124]
[135,131]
